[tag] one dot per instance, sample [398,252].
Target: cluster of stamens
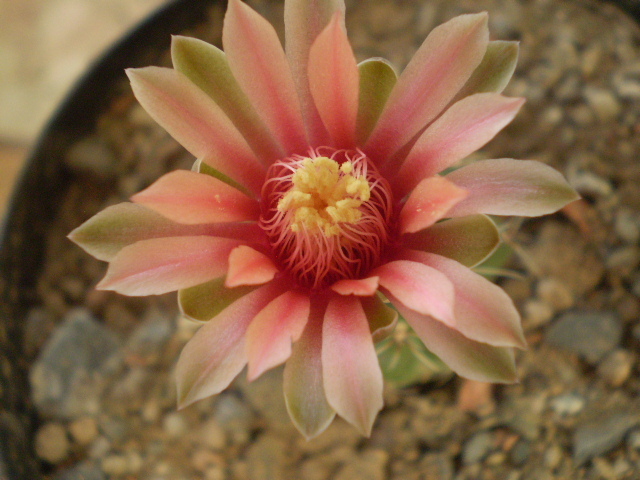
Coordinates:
[327,215]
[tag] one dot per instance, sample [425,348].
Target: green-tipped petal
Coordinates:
[118,226]
[377,79]
[303,383]
[495,70]
[468,240]
[382,318]
[205,301]
[207,67]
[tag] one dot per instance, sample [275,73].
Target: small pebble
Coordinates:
[51,443]
[83,430]
[555,293]
[175,424]
[616,367]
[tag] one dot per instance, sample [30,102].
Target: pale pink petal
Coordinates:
[468,240]
[192,198]
[419,287]
[259,65]
[303,381]
[272,331]
[464,128]
[511,187]
[440,67]
[206,66]
[468,358]
[364,287]
[303,22]
[216,354]
[162,265]
[428,203]
[194,120]
[352,376]
[249,267]
[334,82]
[483,311]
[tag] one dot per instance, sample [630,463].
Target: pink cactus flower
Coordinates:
[317,198]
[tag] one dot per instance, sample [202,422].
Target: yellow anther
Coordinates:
[323,195]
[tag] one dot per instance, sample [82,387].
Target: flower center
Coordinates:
[326,215]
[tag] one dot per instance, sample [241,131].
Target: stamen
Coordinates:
[327,215]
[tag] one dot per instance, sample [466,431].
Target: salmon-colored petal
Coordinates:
[249,267]
[272,331]
[364,287]
[216,354]
[464,128]
[419,287]
[192,198]
[511,187]
[352,376]
[440,67]
[334,82]
[429,202]
[206,66]
[162,265]
[483,311]
[377,79]
[495,69]
[194,120]
[468,358]
[303,22]
[304,392]
[259,65]
[468,240]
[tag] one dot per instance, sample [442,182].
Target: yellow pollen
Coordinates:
[324,194]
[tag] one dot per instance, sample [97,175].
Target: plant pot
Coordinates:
[583,101]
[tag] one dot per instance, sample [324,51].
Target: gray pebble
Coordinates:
[591,335]
[599,437]
[83,471]
[477,448]
[92,155]
[568,404]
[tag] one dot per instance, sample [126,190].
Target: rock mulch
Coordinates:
[107,403]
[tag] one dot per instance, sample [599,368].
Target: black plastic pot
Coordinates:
[37,197]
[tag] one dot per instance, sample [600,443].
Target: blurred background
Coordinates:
[45,45]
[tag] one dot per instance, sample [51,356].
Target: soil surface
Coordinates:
[102,364]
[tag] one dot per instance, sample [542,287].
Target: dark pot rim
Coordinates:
[34,196]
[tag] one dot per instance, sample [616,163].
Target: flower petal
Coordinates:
[259,65]
[352,376]
[249,267]
[377,79]
[272,331]
[192,198]
[419,287]
[464,128]
[440,67]
[162,265]
[483,311]
[206,66]
[215,355]
[382,319]
[194,120]
[468,240]
[468,358]
[364,287]
[303,381]
[511,187]
[303,22]
[334,82]
[428,203]
[495,70]
[203,302]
